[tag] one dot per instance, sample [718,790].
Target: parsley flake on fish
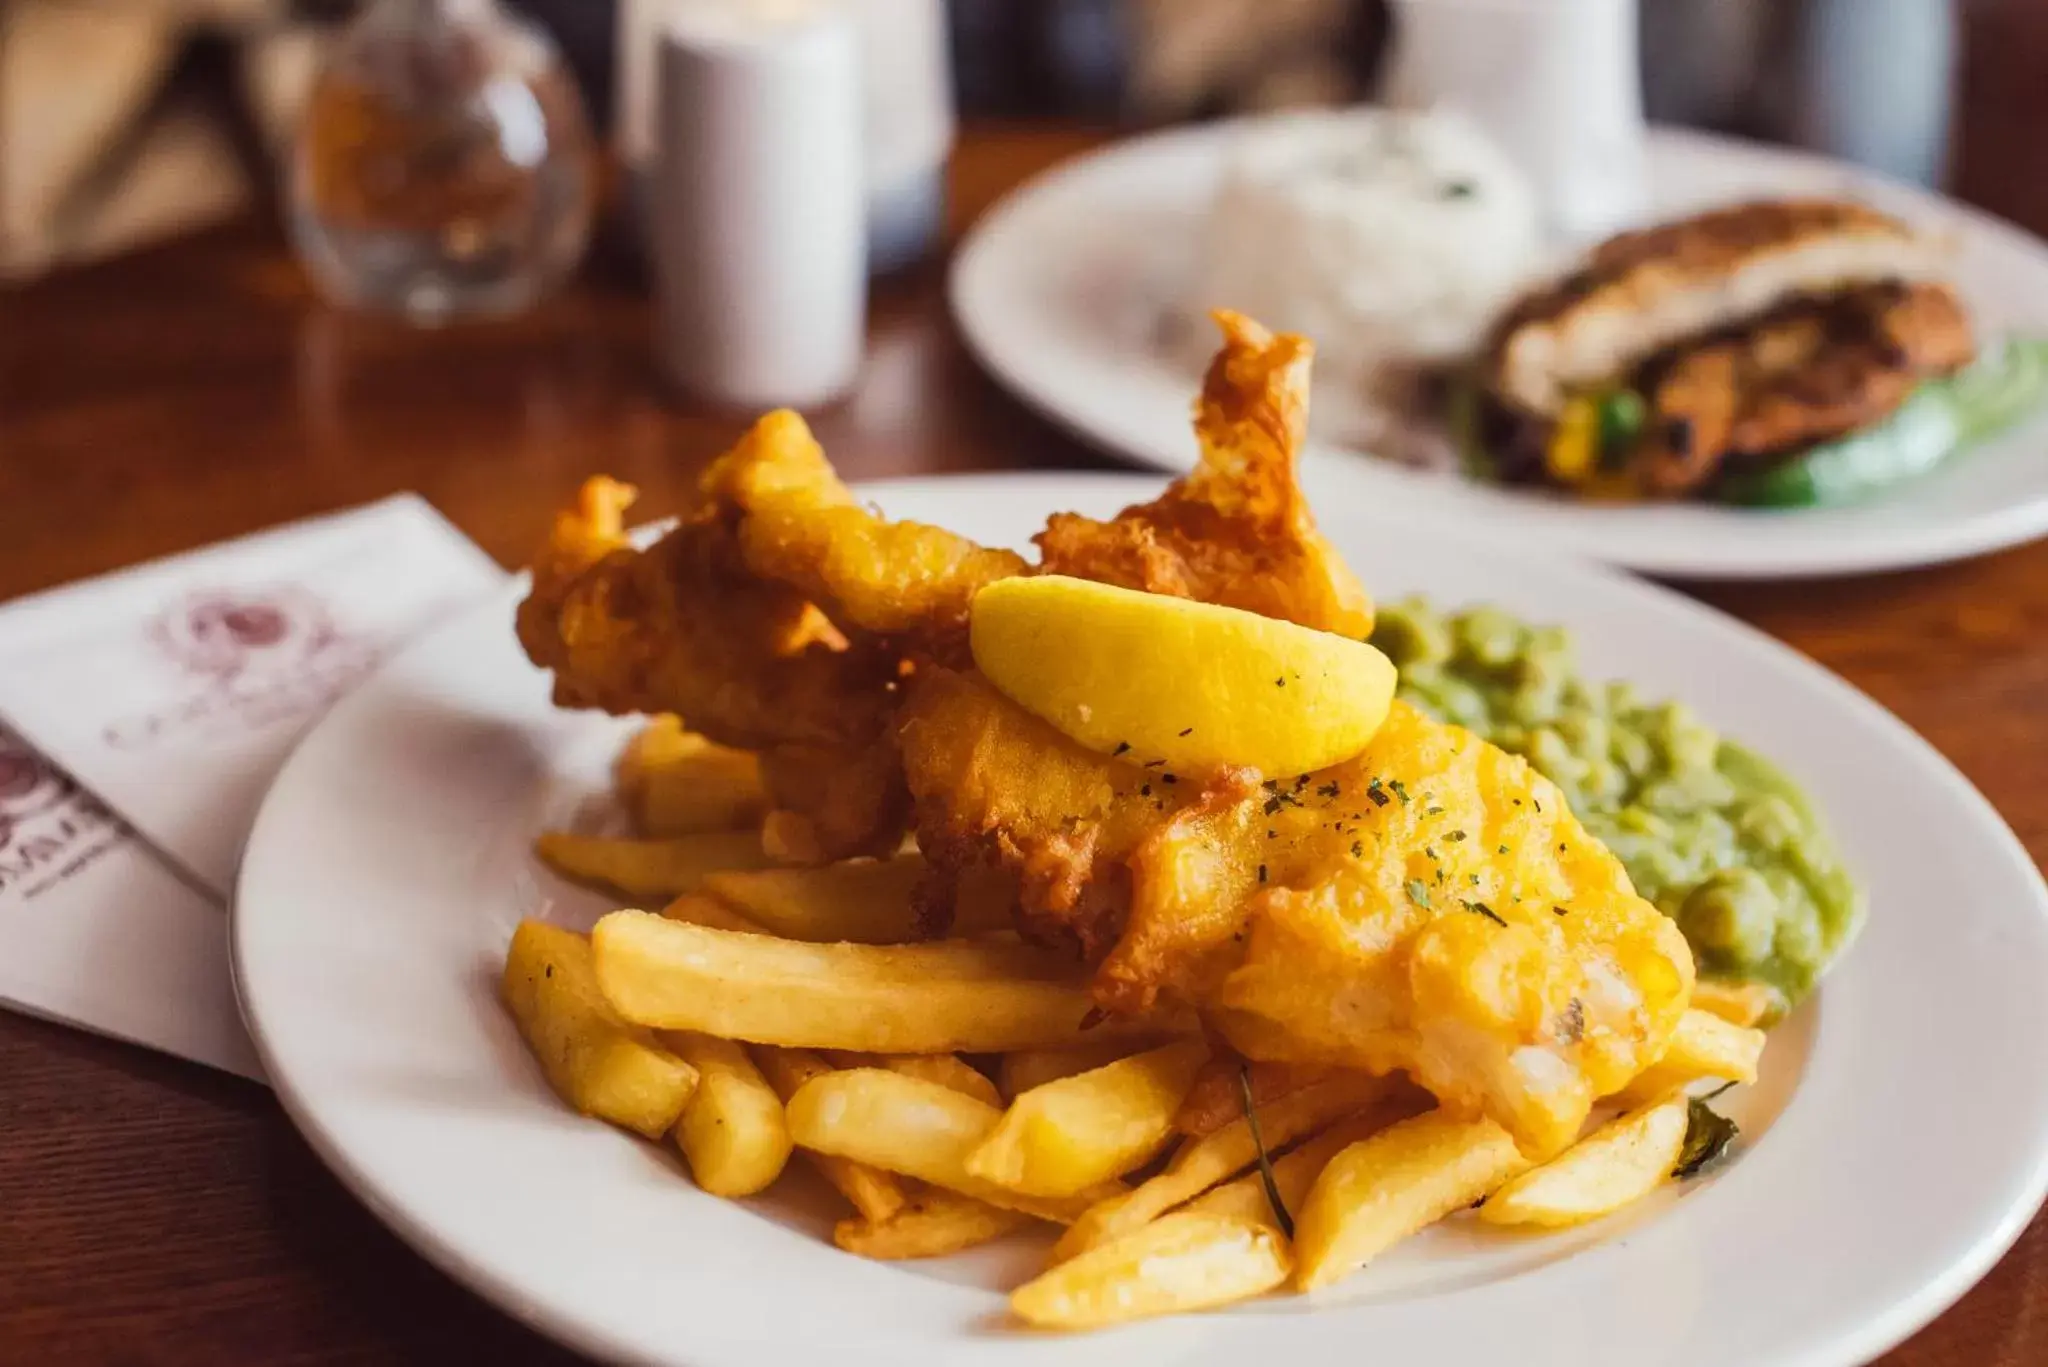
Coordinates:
[1484,910]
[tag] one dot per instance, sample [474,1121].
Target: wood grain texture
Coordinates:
[151,1212]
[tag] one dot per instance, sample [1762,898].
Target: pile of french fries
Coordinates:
[957,1091]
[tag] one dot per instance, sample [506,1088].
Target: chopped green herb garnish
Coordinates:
[1418,893]
[1400,791]
[1432,811]
[1571,1026]
[1358,849]
[1484,910]
[1262,873]
[1503,849]
[1123,747]
[1251,1119]
[1329,790]
[1168,778]
[1455,836]
[1189,732]
[1708,1137]
[1145,791]
[1560,911]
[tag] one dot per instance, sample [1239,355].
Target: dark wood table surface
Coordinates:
[155,1212]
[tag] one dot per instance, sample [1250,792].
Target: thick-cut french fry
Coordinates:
[1217,1098]
[936,1223]
[1381,1190]
[1070,1135]
[1184,1261]
[877,1195]
[1294,1172]
[939,998]
[1707,1046]
[920,1129]
[699,910]
[948,1070]
[733,1130]
[1702,1046]
[596,1062]
[649,868]
[1736,1003]
[1200,1164]
[863,900]
[1024,1069]
[675,782]
[1622,1161]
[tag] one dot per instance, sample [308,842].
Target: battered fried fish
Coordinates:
[796,524]
[1236,530]
[686,626]
[694,625]
[1429,905]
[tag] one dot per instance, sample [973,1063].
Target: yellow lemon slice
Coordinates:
[1198,686]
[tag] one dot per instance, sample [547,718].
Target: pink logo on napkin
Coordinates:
[221,633]
[254,657]
[50,828]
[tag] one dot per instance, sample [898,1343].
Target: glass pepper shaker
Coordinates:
[444,168]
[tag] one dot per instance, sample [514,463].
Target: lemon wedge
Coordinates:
[1191,685]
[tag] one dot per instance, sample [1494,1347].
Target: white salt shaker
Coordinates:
[1556,83]
[757,232]
[907,120]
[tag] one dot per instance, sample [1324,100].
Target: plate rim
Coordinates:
[1860,1342]
[1939,543]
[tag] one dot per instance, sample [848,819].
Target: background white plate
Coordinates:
[1060,289]
[1898,1141]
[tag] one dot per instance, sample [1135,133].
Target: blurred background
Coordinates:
[125,122]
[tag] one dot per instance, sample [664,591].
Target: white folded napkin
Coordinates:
[102,933]
[164,699]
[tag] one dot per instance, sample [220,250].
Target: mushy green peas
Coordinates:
[1717,837]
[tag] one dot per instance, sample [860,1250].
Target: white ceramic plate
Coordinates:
[1896,1145]
[1060,291]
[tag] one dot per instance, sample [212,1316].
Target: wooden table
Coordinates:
[153,1212]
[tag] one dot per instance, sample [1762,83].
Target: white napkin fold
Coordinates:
[170,694]
[102,933]
[175,690]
